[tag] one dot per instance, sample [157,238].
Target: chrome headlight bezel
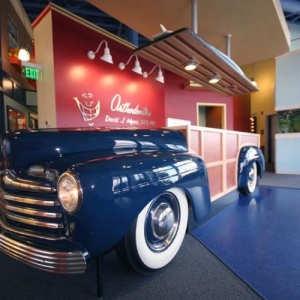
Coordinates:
[69,192]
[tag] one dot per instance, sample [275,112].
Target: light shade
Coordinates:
[106,56]
[159,76]
[23,54]
[215,79]
[137,67]
[190,65]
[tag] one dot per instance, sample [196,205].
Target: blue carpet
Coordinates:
[258,237]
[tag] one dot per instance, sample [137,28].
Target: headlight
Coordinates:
[69,192]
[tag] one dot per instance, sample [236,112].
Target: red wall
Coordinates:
[122,98]
[182,104]
[242,112]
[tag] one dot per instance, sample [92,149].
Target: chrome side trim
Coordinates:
[49,261]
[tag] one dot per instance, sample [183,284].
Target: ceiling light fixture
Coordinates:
[190,65]
[23,54]
[215,79]
[106,56]
[137,67]
[159,76]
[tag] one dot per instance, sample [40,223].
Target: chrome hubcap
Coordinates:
[251,177]
[162,222]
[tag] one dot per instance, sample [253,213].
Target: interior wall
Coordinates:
[287,79]
[93,93]
[182,104]
[287,97]
[241,112]
[214,117]
[11,65]
[116,91]
[46,87]
[262,102]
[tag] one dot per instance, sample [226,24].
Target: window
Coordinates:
[8,86]
[16,119]
[288,121]
[12,34]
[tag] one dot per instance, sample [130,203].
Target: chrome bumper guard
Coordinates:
[49,261]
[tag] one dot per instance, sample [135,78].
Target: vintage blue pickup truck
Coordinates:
[70,195]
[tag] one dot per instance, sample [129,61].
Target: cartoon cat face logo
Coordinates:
[85,107]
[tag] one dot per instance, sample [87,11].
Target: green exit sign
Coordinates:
[31,70]
[31,73]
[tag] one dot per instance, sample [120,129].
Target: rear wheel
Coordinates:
[157,234]
[252,180]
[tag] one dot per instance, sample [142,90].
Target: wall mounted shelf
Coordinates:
[172,50]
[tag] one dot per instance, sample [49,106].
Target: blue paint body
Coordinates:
[119,171]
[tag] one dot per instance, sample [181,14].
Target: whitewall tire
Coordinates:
[252,180]
[156,236]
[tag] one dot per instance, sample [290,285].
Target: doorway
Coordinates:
[270,149]
[211,115]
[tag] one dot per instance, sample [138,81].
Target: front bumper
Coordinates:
[73,262]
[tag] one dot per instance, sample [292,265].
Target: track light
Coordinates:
[137,67]
[23,54]
[253,82]
[190,65]
[215,79]
[159,76]
[106,56]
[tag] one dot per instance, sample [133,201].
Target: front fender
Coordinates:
[116,189]
[248,155]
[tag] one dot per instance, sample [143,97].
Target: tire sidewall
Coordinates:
[156,260]
[251,187]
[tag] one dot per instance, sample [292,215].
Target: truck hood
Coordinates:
[22,149]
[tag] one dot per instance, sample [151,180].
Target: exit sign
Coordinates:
[32,71]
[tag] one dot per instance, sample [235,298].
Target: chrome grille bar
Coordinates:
[31,206]
[33,212]
[19,231]
[30,200]
[49,261]
[33,222]
[11,181]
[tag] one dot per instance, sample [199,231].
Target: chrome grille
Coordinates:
[31,207]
